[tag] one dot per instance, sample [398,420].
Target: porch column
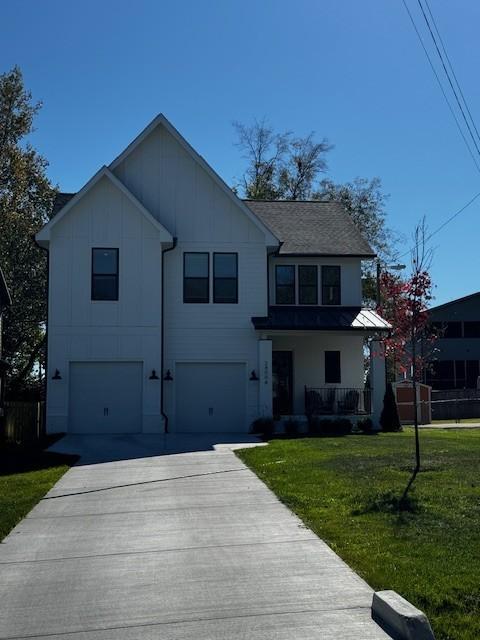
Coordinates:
[265,374]
[377,379]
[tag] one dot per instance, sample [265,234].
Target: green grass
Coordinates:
[345,489]
[25,477]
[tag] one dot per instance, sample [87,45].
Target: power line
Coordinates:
[441,86]
[451,68]
[448,75]
[444,224]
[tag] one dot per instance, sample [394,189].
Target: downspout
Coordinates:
[162,336]
[46,333]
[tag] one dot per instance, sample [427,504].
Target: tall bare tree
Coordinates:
[279,166]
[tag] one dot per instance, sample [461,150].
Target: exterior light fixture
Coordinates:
[56,375]
[153,375]
[253,375]
[168,375]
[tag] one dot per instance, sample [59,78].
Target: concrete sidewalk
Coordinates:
[185,545]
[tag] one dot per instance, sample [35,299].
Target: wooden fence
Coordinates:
[23,422]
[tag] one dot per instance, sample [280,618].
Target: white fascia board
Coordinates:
[270,239]
[43,236]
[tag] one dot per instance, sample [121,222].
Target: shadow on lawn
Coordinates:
[389,502]
[22,459]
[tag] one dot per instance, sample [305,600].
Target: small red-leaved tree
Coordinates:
[404,305]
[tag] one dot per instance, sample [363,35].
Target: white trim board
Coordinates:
[43,236]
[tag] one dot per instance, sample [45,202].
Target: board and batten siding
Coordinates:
[188,202]
[82,330]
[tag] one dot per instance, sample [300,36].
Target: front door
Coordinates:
[282,383]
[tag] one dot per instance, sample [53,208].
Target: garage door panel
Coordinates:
[210,397]
[105,397]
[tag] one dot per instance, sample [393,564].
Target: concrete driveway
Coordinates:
[185,545]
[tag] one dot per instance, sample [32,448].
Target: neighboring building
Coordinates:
[5,301]
[454,363]
[175,305]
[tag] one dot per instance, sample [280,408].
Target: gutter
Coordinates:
[162,338]
[46,332]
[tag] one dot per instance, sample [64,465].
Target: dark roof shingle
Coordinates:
[312,227]
[61,199]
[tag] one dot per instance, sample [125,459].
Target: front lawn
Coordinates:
[345,489]
[25,477]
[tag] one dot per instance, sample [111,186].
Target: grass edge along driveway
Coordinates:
[345,489]
[26,475]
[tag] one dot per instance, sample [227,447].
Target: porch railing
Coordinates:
[337,401]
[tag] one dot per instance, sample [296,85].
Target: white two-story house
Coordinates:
[175,306]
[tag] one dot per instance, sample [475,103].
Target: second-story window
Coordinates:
[331,289]
[307,284]
[104,274]
[225,278]
[196,277]
[285,284]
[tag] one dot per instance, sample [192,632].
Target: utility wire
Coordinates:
[477,195]
[451,68]
[441,86]
[444,224]
[448,76]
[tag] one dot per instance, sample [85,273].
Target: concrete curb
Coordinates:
[399,618]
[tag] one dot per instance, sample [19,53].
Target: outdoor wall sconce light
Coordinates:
[56,375]
[153,375]
[253,375]
[168,376]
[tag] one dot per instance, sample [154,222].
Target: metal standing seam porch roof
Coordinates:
[321,319]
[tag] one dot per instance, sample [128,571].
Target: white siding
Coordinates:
[181,195]
[308,353]
[82,330]
[351,277]
[185,199]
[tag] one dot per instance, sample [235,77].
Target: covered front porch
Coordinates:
[320,371]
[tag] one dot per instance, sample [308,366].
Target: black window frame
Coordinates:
[94,275]
[207,278]
[337,367]
[283,286]
[337,287]
[216,278]
[307,286]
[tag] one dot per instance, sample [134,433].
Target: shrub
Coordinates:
[389,420]
[365,425]
[329,427]
[291,427]
[264,425]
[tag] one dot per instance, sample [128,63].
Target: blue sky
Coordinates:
[351,71]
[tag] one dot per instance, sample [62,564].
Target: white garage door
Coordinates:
[210,397]
[105,397]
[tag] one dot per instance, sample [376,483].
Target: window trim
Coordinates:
[294,285]
[116,275]
[207,277]
[339,381]
[300,286]
[215,278]
[324,302]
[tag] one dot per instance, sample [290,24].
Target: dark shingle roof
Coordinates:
[321,319]
[312,227]
[61,199]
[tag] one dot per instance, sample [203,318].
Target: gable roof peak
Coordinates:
[43,236]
